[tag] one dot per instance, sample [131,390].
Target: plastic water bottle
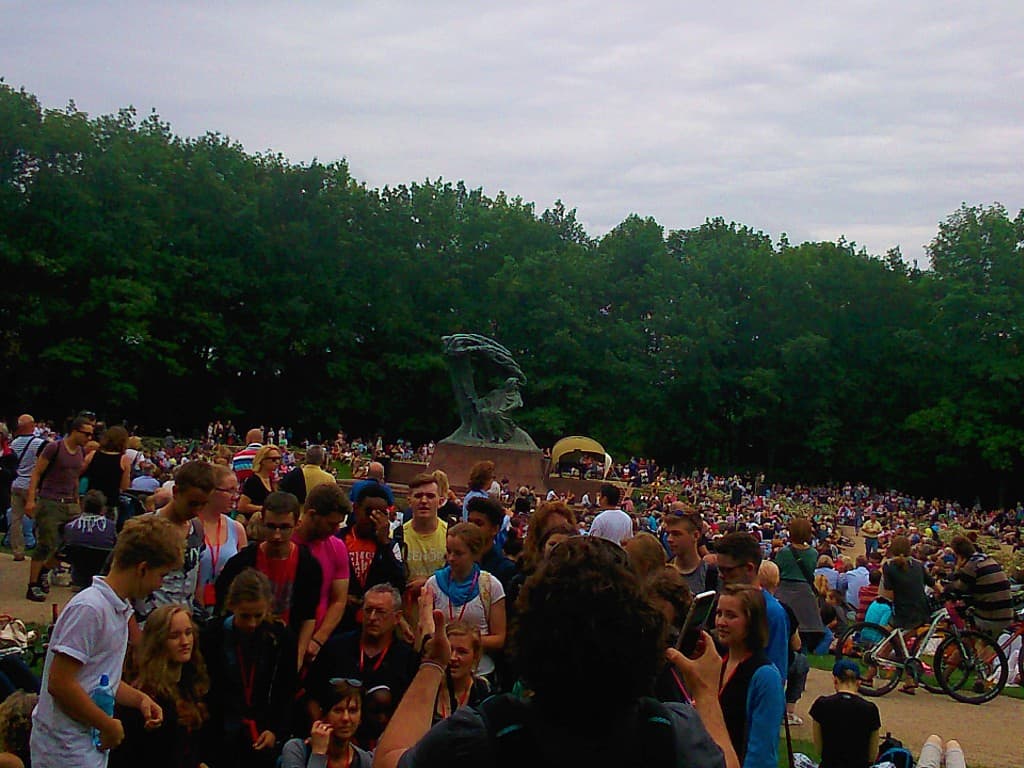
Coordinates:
[103,696]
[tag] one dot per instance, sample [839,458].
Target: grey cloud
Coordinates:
[867,119]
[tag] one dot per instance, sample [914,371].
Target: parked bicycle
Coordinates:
[947,657]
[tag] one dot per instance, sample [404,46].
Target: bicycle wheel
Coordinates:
[923,663]
[971,667]
[865,644]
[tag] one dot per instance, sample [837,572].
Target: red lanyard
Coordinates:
[248,677]
[682,688]
[451,613]
[214,550]
[376,666]
[459,703]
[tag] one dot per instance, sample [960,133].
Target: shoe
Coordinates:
[910,690]
[35,594]
[44,580]
[794,719]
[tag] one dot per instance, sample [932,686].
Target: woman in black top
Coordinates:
[262,482]
[171,670]
[107,468]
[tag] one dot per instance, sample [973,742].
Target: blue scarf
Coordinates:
[458,592]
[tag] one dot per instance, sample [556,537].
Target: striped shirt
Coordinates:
[983,580]
[241,462]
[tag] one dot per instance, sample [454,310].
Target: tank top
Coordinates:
[105,475]
[207,572]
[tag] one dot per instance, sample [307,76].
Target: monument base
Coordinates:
[521,467]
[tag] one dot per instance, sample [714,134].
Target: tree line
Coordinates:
[168,280]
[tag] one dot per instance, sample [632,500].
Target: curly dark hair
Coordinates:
[16,723]
[586,632]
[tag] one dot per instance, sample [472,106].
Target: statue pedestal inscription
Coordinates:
[521,467]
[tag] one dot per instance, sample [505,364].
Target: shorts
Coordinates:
[50,519]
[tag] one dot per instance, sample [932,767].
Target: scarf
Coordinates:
[458,592]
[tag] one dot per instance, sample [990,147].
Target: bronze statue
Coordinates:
[485,419]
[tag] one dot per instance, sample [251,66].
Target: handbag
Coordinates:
[14,635]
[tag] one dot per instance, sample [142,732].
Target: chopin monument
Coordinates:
[487,431]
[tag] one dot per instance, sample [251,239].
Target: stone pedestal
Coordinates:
[521,467]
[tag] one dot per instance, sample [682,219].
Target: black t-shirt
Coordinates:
[341,657]
[254,488]
[846,721]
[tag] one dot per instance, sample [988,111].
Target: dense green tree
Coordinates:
[167,280]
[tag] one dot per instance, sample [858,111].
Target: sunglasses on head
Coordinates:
[351,681]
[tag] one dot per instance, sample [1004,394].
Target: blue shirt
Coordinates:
[766,704]
[778,634]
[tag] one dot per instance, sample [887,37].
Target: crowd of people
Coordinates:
[251,611]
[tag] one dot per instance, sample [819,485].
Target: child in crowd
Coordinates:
[846,726]
[867,594]
[88,539]
[253,678]
[171,670]
[89,640]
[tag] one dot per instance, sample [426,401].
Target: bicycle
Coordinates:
[1015,630]
[947,658]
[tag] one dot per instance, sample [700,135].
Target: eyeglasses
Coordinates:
[376,611]
[231,491]
[87,433]
[727,569]
[278,526]
[347,680]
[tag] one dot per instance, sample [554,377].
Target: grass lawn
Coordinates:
[799,745]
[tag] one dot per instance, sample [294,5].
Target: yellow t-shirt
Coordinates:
[871,529]
[425,553]
[315,476]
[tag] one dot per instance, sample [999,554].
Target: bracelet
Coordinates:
[318,643]
[433,664]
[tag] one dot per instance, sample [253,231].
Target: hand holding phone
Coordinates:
[696,617]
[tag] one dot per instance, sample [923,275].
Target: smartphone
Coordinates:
[696,617]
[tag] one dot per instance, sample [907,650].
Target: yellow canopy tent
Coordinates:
[570,450]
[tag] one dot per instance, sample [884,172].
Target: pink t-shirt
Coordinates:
[332,554]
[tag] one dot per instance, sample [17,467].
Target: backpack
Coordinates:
[514,744]
[294,483]
[892,751]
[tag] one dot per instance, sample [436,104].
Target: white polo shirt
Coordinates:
[92,629]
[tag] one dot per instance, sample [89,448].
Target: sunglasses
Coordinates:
[351,681]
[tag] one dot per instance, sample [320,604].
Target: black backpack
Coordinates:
[514,741]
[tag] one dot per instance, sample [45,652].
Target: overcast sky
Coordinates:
[872,120]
